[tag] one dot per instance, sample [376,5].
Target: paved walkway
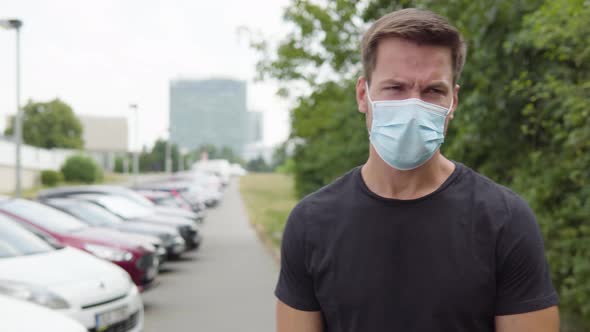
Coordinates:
[227,286]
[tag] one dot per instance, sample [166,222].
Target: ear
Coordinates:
[361,95]
[455,101]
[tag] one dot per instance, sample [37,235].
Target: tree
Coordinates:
[258,165]
[555,172]
[155,159]
[210,149]
[50,125]
[213,152]
[523,115]
[228,154]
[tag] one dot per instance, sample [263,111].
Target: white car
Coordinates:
[92,291]
[21,316]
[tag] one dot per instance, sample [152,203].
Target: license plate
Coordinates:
[105,319]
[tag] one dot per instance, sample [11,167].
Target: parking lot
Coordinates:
[173,253]
[227,285]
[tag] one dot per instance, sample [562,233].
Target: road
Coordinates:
[226,286]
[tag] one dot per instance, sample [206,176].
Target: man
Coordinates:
[412,241]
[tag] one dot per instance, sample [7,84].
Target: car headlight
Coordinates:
[108,253]
[178,240]
[34,294]
[148,247]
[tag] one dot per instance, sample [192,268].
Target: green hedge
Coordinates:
[82,169]
[51,178]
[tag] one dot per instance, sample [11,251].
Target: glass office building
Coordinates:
[211,111]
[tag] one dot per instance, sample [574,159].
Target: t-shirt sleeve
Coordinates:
[295,286]
[523,275]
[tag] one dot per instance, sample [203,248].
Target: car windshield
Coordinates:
[123,207]
[137,198]
[92,214]
[168,201]
[17,241]
[43,216]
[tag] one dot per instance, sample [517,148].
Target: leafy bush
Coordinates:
[81,169]
[523,118]
[50,177]
[288,167]
[119,165]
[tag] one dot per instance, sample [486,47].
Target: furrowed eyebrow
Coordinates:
[392,82]
[438,85]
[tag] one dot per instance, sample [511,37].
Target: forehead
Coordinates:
[403,59]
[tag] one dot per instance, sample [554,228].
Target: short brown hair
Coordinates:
[417,25]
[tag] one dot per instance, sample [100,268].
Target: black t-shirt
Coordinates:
[448,261]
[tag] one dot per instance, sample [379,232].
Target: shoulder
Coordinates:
[497,200]
[325,200]
[331,195]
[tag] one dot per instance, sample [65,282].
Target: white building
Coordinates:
[105,138]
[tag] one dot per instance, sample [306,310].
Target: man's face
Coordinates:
[405,69]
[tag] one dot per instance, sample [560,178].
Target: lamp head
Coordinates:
[11,24]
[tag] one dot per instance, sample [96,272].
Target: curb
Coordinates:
[274,251]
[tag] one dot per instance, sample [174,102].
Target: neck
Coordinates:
[389,182]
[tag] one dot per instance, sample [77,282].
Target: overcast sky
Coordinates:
[99,56]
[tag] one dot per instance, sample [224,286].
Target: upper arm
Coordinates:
[523,278]
[546,320]
[295,287]
[293,320]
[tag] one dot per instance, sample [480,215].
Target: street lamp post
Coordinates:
[182,158]
[137,145]
[18,126]
[168,155]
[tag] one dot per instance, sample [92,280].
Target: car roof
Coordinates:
[165,185]
[71,190]
[91,196]
[63,201]
[153,193]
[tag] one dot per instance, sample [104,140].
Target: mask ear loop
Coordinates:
[370,103]
[452,101]
[368,93]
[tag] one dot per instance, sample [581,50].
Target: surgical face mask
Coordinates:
[406,133]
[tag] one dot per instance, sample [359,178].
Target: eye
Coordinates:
[436,91]
[393,87]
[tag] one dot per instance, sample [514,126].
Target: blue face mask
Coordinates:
[406,133]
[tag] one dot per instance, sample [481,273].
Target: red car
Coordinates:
[137,258]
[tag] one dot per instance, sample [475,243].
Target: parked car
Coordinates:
[163,198]
[163,194]
[171,244]
[133,212]
[138,259]
[124,192]
[204,179]
[95,216]
[99,295]
[218,167]
[13,313]
[193,193]
[237,170]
